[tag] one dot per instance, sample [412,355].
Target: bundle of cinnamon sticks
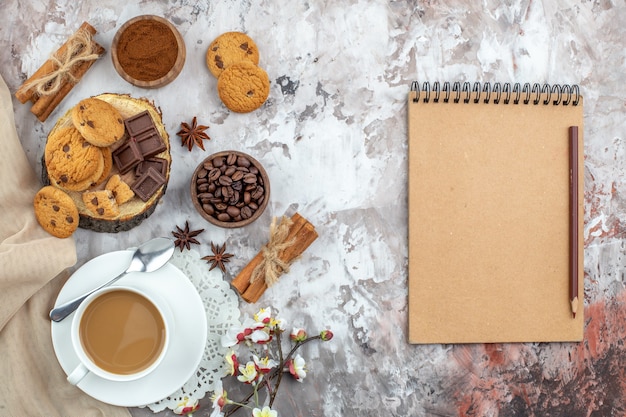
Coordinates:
[253,279]
[77,57]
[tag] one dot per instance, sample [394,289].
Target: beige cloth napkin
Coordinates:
[33,383]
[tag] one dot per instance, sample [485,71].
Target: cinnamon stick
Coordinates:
[45,105]
[305,236]
[23,93]
[242,280]
[302,233]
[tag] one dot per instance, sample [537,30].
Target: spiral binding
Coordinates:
[517,93]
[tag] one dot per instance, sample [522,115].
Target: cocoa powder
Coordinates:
[147,50]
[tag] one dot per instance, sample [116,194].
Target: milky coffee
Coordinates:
[122,332]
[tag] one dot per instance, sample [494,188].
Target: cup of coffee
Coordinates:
[119,333]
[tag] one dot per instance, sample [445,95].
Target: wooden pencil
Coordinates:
[573,159]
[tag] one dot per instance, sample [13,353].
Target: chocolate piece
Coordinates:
[127,156]
[148,184]
[139,123]
[150,143]
[159,164]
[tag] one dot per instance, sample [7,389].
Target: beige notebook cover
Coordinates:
[489,214]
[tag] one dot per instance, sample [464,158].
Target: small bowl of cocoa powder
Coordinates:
[230,189]
[148,51]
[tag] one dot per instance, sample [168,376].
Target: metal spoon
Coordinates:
[148,257]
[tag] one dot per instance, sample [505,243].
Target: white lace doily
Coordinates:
[222,312]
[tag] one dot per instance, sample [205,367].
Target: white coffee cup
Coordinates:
[120,333]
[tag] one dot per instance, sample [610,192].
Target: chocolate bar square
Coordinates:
[139,123]
[127,156]
[148,184]
[150,143]
[159,164]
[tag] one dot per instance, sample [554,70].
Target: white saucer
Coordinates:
[186,345]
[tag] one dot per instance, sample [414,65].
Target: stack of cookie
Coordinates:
[87,185]
[78,157]
[233,59]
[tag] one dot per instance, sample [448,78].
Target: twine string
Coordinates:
[271,266]
[80,48]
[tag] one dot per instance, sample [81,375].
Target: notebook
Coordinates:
[495,237]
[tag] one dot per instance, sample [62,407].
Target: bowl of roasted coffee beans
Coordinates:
[230,189]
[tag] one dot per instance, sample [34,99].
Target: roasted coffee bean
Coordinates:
[203,187]
[202,173]
[257,193]
[231,159]
[249,178]
[230,171]
[224,180]
[221,206]
[214,174]
[237,185]
[208,209]
[233,211]
[218,161]
[227,192]
[202,181]
[254,170]
[236,175]
[212,188]
[242,161]
[247,197]
[235,197]
[246,212]
[207,165]
[223,217]
[253,206]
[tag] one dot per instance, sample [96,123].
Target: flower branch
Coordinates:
[262,336]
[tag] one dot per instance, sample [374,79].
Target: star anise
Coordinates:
[193,135]
[185,237]
[219,257]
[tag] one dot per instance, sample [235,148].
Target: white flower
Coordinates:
[263,317]
[238,333]
[277,324]
[265,412]
[231,338]
[233,363]
[220,399]
[260,336]
[297,368]
[248,373]
[265,364]
[186,407]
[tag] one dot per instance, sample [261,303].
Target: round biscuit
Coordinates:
[72,161]
[55,211]
[98,121]
[230,48]
[243,87]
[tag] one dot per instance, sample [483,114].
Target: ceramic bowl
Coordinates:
[152,83]
[230,189]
